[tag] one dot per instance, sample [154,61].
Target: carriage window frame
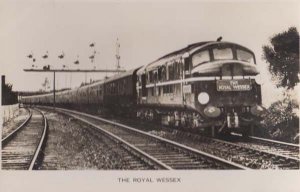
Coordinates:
[159,73]
[163,72]
[170,67]
[150,76]
[176,70]
[168,89]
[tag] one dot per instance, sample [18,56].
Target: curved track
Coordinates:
[156,151]
[13,130]
[20,149]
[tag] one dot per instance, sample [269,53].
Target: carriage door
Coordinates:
[144,90]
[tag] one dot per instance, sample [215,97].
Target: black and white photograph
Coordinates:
[150,93]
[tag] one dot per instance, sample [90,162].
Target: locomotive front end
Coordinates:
[205,86]
[223,87]
[231,104]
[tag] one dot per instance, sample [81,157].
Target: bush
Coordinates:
[281,120]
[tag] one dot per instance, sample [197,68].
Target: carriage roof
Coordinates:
[121,75]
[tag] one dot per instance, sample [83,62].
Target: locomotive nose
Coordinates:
[238,69]
[231,69]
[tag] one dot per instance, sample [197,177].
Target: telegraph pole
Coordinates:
[118,57]
[54,89]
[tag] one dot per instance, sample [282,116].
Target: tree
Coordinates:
[8,96]
[283,58]
[281,118]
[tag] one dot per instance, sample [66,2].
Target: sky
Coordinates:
[146,31]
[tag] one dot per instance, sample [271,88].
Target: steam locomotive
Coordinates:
[208,86]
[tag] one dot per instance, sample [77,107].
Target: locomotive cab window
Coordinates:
[222,53]
[246,56]
[201,57]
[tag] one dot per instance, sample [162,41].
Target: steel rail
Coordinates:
[258,150]
[42,140]
[12,134]
[195,151]
[274,141]
[270,140]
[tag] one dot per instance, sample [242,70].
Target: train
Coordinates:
[207,86]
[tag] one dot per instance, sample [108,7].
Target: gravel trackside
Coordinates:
[72,145]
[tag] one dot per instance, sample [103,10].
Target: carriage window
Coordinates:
[171,72]
[168,89]
[200,57]
[177,70]
[159,73]
[163,73]
[155,76]
[223,53]
[147,78]
[244,56]
[150,75]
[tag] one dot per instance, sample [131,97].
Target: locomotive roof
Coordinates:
[195,45]
[176,55]
[189,47]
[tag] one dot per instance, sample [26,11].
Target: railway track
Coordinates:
[258,159]
[73,145]
[256,156]
[245,155]
[17,125]
[262,154]
[153,150]
[21,148]
[277,147]
[131,160]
